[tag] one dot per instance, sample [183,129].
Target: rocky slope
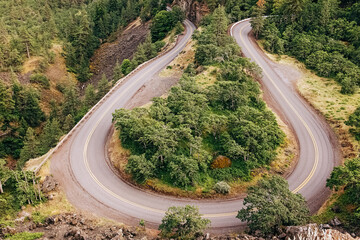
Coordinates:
[194,10]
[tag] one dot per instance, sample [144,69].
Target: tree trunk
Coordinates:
[27,50]
[1,188]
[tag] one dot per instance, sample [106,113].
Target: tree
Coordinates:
[6,106]
[183,223]
[117,72]
[270,204]
[30,149]
[68,123]
[162,23]
[50,136]
[90,96]
[347,176]
[103,87]
[126,67]
[354,121]
[71,101]
[258,20]
[140,168]
[5,174]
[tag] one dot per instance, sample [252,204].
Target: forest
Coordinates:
[30,28]
[322,34]
[179,139]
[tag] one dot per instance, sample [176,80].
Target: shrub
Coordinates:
[40,79]
[222,187]
[183,223]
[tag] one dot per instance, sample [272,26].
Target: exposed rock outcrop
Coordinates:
[194,10]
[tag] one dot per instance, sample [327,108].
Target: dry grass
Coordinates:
[31,64]
[57,74]
[324,95]
[177,66]
[117,154]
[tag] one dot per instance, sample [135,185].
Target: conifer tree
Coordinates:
[30,149]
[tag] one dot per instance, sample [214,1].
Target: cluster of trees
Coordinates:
[269,207]
[322,34]
[177,138]
[235,9]
[347,179]
[26,132]
[17,188]
[164,21]
[354,122]
[86,27]
[27,28]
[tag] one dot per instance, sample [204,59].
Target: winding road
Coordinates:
[94,187]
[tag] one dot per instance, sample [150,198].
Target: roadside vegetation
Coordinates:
[328,44]
[34,115]
[201,135]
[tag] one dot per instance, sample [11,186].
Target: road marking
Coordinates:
[108,190]
[298,115]
[216,215]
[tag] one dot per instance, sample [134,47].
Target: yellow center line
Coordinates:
[316,160]
[86,162]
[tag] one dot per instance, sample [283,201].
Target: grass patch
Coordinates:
[25,236]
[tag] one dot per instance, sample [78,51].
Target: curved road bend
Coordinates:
[96,188]
[318,148]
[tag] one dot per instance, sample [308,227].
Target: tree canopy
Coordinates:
[183,223]
[270,204]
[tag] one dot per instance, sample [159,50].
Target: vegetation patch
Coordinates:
[177,139]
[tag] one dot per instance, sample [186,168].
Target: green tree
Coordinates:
[270,204]
[90,96]
[68,123]
[5,174]
[71,101]
[354,121]
[140,168]
[117,72]
[6,106]
[50,136]
[347,177]
[126,67]
[258,20]
[30,149]
[103,87]
[183,223]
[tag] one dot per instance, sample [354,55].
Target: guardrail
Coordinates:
[87,115]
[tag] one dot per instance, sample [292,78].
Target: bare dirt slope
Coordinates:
[123,47]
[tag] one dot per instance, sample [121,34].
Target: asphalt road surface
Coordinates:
[98,183]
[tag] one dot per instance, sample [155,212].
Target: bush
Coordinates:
[40,79]
[179,28]
[222,187]
[270,205]
[159,45]
[183,223]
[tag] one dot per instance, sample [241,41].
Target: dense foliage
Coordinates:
[322,34]
[17,188]
[182,223]
[270,204]
[28,28]
[354,122]
[347,178]
[177,138]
